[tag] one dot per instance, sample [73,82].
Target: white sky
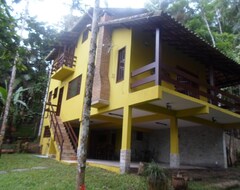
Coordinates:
[51,11]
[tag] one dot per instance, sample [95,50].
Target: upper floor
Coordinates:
[137,51]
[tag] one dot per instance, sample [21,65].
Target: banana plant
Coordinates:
[17,101]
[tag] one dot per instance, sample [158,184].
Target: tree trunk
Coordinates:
[204,17]
[8,102]
[208,28]
[218,20]
[82,148]
[45,100]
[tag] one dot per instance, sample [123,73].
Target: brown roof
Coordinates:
[175,34]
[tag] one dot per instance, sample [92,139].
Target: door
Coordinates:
[59,104]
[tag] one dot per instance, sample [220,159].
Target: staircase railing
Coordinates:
[58,136]
[72,135]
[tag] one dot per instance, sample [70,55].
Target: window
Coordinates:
[74,87]
[50,96]
[85,36]
[47,132]
[55,93]
[121,64]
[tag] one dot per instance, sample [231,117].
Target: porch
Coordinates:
[63,56]
[179,67]
[159,109]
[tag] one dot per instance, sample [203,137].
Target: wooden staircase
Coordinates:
[61,136]
[68,152]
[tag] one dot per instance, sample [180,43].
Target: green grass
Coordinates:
[200,186]
[59,176]
[63,177]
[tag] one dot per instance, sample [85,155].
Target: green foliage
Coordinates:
[9,40]
[3,95]
[225,42]
[32,69]
[17,106]
[154,172]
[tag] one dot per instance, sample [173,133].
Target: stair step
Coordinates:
[68,151]
[69,157]
[67,144]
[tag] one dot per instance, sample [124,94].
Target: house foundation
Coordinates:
[125,161]
[174,160]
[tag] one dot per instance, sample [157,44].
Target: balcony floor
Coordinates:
[190,111]
[62,73]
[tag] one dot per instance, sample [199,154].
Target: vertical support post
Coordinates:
[211,80]
[125,155]
[174,144]
[157,56]
[225,165]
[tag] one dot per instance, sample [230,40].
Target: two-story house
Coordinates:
[158,93]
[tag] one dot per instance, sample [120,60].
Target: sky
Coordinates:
[51,11]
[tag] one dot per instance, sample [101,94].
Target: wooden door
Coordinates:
[59,104]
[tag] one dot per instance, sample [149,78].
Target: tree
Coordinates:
[84,130]
[27,58]
[10,46]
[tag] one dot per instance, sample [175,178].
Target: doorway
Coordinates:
[59,103]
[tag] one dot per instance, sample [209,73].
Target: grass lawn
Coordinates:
[58,176]
[51,174]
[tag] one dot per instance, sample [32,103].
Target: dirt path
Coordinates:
[23,169]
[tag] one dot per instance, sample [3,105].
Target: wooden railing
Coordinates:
[72,135]
[185,83]
[58,136]
[149,70]
[67,59]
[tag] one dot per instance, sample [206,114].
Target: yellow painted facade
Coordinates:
[125,102]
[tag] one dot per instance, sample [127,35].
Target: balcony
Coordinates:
[182,82]
[63,66]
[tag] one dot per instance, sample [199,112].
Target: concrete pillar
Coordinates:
[125,154]
[125,161]
[224,151]
[174,144]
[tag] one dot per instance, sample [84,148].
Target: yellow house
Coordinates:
[157,93]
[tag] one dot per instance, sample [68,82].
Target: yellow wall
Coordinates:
[142,53]
[72,108]
[118,90]
[45,143]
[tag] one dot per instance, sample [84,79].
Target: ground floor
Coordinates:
[197,146]
[155,124]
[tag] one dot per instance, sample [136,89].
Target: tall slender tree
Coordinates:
[11,35]
[84,129]
[28,62]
